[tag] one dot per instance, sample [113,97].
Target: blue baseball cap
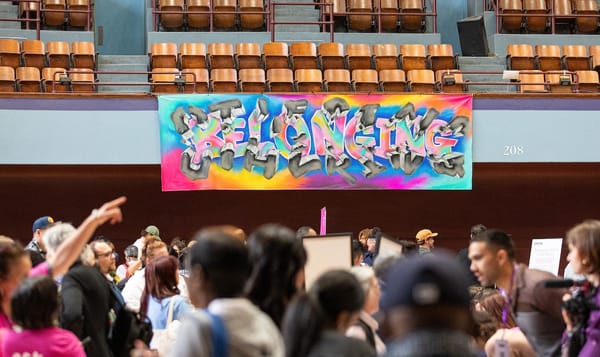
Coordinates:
[42,223]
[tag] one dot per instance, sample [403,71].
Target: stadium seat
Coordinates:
[197,75]
[7,79]
[595,56]
[389,14]
[221,55]
[163,80]
[360,22]
[337,80]
[54,12]
[564,17]
[76,18]
[192,55]
[248,55]
[358,56]
[385,56]
[83,54]
[58,54]
[224,15]
[198,20]
[33,53]
[82,80]
[331,55]
[250,18]
[309,80]
[412,56]
[275,55]
[365,80]
[532,81]
[535,24]
[559,82]
[252,80]
[280,80]
[28,10]
[575,58]
[420,80]
[440,56]
[163,55]
[303,55]
[514,8]
[171,20]
[224,80]
[392,80]
[586,23]
[10,52]
[450,81]
[28,79]
[519,57]
[547,57]
[412,23]
[588,81]
[51,80]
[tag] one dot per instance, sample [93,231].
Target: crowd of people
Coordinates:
[228,293]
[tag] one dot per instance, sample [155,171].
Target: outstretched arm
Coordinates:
[68,252]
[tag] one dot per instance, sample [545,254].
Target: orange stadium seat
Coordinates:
[421,80]
[248,55]
[559,82]
[51,79]
[575,58]
[514,8]
[309,80]
[28,79]
[450,81]
[82,80]
[198,20]
[440,56]
[250,18]
[365,80]
[199,76]
[337,80]
[280,80]
[361,22]
[331,55]
[252,80]
[595,56]
[535,23]
[392,80]
[532,81]
[547,57]
[303,55]
[221,55]
[58,54]
[7,79]
[54,12]
[386,56]
[171,20]
[412,23]
[519,57]
[83,54]
[224,15]
[192,55]
[564,17]
[163,55]
[587,23]
[412,56]
[76,18]
[29,10]
[389,14]
[224,80]
[358,56]
[10,52]
[588,81]
[163,80]
[33,53]
[275,55]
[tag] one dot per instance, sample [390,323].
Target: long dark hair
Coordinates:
[34,303]
[161,280]
[308,315]
[276,256]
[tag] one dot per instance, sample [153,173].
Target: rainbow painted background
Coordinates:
[315,141]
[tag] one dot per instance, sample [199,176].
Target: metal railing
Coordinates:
[323,20]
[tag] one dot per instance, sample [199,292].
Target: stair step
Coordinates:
[298,11]
[9,25]
[297,28]
[122,59]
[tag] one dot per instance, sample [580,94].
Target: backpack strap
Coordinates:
[368,332]
[219,336]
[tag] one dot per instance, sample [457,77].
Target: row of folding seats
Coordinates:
[57,13]
[550,57]
[195,14]
[299,55]
[536,81]
[577,15]
[361,15]
[36,53]
[228,80]
[49,79]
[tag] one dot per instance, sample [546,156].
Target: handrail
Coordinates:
[450,73]
[322,21]
[27,20]
[180,78]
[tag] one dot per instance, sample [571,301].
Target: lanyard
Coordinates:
[507,298]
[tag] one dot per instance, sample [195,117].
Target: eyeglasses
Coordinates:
[107,254]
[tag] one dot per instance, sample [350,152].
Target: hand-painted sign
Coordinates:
[315,141]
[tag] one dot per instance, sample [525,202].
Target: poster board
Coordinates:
[388,246]
[545,254]
[327,252]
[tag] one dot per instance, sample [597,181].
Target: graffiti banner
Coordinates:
[315,141]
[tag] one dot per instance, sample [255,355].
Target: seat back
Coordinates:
[331,55]
[171,20]
[575,58]
[559,82]
[450,81]
[58,54]
[7,79]
[33,53]
[440,56]
[78,18]
[358,56]
[28,79]
[588,81]
[303,55]
[51,80]
[595,56]
[224,80]
[275,55]
[54,12]
[361,22]
[389,16]
[587,23]
[192,55]
[365,80]
[251,15]
[385,55]
[224,16]
[532,82]
[421,80]
[280,80]
[309,80]
[10,52]
[197,75]
[536,23]
[221,55]
[163,80]
[83,54]
[337,80]
[412,56]
[548,57]
[412,23]
[198,20]
[519,57]
[392,80]
[248,55]
[510,7]
[252,80]
[82,80]
[163,55]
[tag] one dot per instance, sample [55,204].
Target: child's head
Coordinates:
[35,303]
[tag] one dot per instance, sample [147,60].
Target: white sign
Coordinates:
[545,254]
